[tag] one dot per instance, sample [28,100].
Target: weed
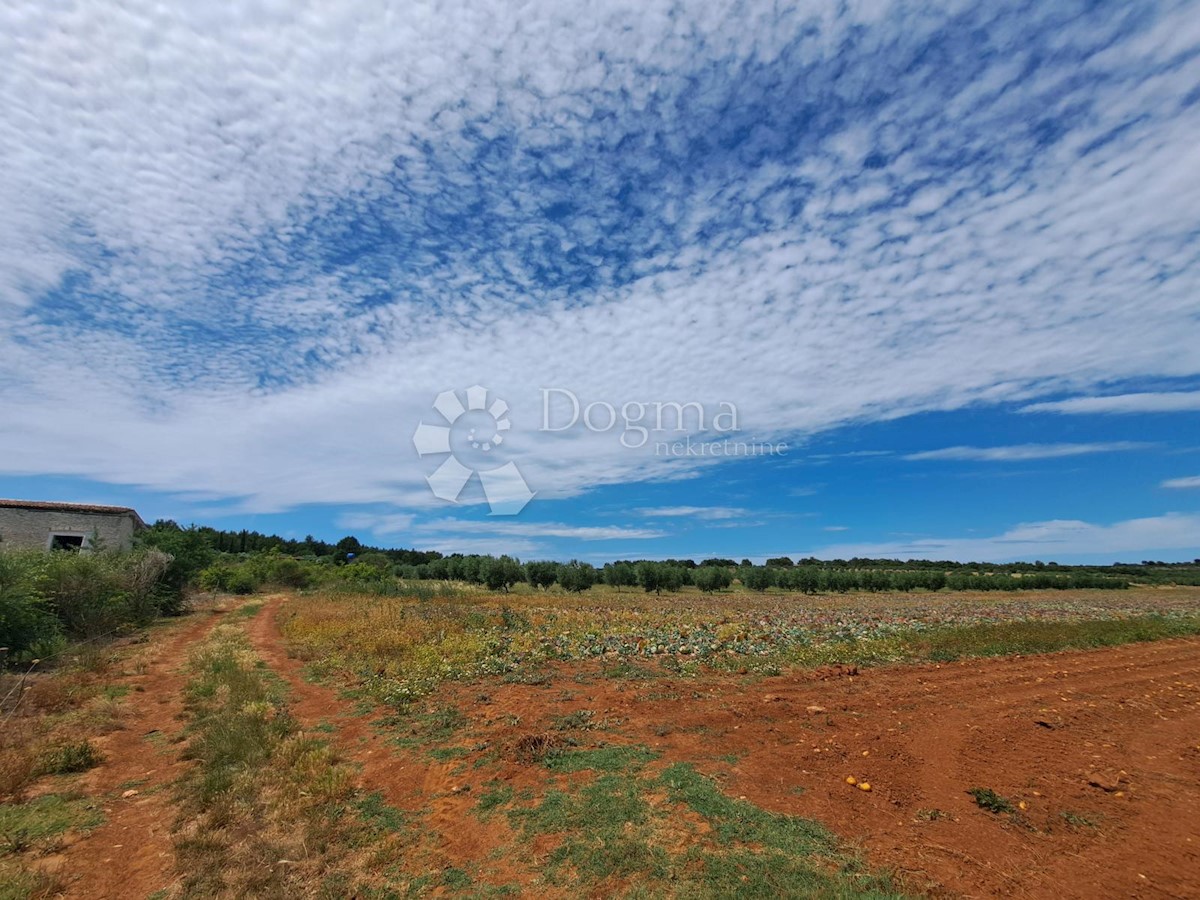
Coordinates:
[986,798]
[580,719]
[1075,820]
[73,756]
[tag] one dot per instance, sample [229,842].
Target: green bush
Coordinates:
[74,756]
[48,597]
[26,619]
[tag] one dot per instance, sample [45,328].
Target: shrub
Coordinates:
[74,756]
[26,619]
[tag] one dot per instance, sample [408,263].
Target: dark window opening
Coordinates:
[73,542]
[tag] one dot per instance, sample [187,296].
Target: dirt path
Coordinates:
[131,854]
[405,781]
[1102,748]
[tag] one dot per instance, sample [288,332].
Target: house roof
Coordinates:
[73,507]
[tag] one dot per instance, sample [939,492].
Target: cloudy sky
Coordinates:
[940,258]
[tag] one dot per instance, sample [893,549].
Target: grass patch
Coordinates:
[578,720]
[493,798]
[73,756]
[601,759]
[1010,638]
[445,754]
[20,883]
[248,611]
[761,853]
[605,829]
[24,825]
[737,820]
[376,812]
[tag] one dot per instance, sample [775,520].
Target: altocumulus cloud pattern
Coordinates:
[268,233]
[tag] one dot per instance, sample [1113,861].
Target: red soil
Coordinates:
[1108,737]
[131,854]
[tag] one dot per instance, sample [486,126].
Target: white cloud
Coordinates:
[1148,402]
[837,528]
[1059,540]
[158,152]
[540,529]
[1191,481]
[1023,452]
[694,512]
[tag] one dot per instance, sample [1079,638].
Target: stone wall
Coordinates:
[31,528]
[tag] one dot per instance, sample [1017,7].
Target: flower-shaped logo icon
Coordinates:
[503,486]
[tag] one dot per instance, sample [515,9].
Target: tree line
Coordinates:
[244,560]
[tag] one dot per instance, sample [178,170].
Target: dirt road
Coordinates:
[131,854]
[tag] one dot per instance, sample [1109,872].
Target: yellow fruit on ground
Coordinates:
[863,786]
[1022,805]
[850,779]
[866,753]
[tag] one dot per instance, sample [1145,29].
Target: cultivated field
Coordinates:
[462,743]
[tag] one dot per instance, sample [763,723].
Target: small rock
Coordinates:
[1106,781]
[128,794]
[461,789]
[815,709]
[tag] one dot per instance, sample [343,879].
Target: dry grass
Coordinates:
[268,810]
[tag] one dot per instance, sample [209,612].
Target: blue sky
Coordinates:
[946,254]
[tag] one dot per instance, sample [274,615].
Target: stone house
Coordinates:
[28,524]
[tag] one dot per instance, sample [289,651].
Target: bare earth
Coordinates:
[1102,747]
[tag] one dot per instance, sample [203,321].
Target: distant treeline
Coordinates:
[245,561]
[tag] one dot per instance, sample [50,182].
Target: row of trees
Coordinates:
[303,563]
[655,577]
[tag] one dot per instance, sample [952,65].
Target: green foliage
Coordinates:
[24,824]
[47,597]
[502,573]
[656,577]
[26,618]
[986,798]
[541,574]
[712,578]
[602,759]
[620,574]
[190,553]
[577,576]
[757,578]
[73,756]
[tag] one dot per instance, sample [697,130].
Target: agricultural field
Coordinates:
[460,742]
